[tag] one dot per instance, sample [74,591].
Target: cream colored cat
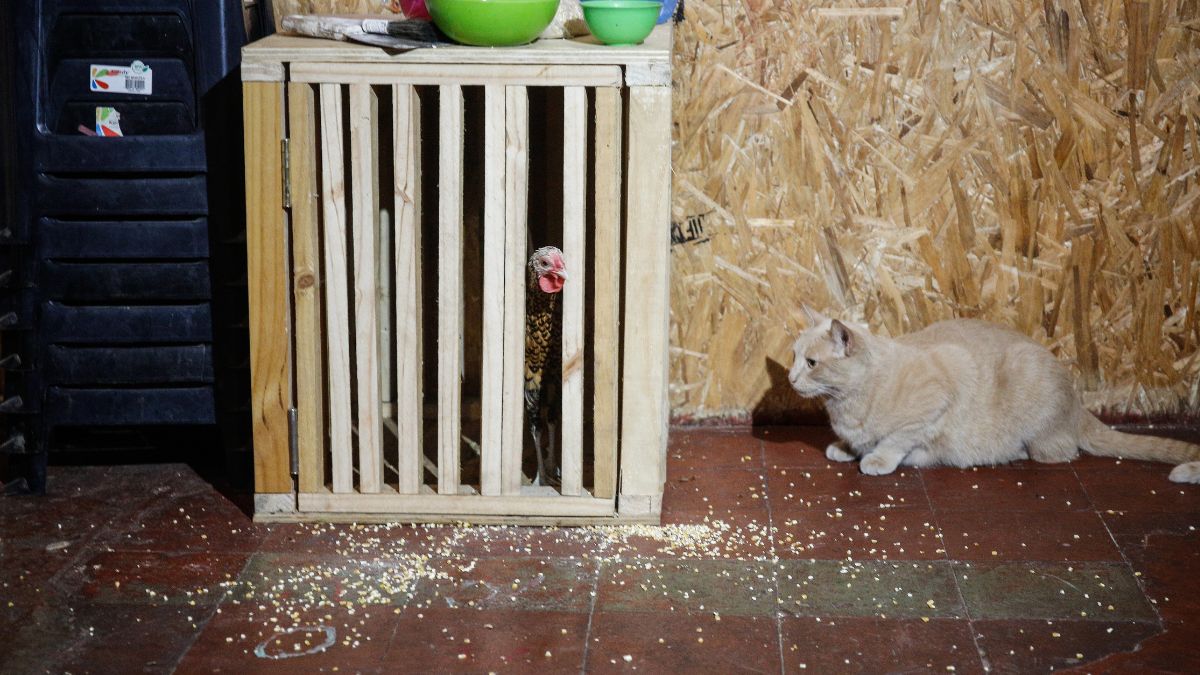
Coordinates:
[961,393]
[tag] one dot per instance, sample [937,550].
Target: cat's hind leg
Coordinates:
[1053,447]
[840,452]
[1188,472]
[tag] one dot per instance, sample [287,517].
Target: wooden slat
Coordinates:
[516,195]
[306,287]
[575,254]
[460,74]
[406,116]
[337,308]
[647,273]
[364,177]
[266,251]
[510,505]
[450,283]
[493,292]
[607,294]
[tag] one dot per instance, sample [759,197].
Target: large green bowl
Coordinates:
[621,22]
[492,23]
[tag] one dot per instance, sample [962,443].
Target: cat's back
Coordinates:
[971,334]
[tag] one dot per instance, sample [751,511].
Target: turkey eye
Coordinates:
[812,363]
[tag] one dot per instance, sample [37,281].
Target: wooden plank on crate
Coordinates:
[406,116]
[491,424]
[337,307]
[364,177]
[306,286]
[575,251]
[267,258]
[450,282]
[606,329]
[647,265]
[516,196]
[508,505]
[280,47]
[460,74]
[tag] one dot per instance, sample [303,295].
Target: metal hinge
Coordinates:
[287,172]
[293,442]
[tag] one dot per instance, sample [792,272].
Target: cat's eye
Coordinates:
[812,363]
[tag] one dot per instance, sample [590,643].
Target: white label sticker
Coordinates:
[132,79]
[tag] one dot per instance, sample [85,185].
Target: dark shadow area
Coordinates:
[782,406]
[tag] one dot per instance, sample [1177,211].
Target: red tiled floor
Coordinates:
[859,534]
[764,537]
[841,485]
[1005,489]
[1045,646]
[656,643]
[1016,535]
[868,646]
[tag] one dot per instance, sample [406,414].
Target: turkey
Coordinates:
[543,355]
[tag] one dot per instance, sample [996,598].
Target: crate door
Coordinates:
[411,234]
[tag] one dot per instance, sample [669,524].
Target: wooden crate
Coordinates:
[393,201]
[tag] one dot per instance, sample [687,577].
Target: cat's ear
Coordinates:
[844,341]
[814,317]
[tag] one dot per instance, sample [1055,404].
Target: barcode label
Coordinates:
[133,79]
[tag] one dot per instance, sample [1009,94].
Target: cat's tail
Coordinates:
[1099,439]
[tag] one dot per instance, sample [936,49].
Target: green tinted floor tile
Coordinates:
[868,588]
[1088,591]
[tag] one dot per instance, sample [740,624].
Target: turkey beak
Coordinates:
[562,274]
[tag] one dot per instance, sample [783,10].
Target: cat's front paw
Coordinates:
[837,454]
[878,465]
[1186,473]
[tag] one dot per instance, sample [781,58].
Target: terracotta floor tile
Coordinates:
[795,446]
[1077,591]
[1044,646]
[29,577]
[151,577]
[1004,489]
[699,449]
[335,581]
[870,646]
[1010,535]
[653,643]
[484,641]
[1170,651]
[859,534]
[198,522]
[695,586]
[842,485]
[735,496]
[249,639]
[892,590]
[1142,523]
[86,637]
[545,584]
[1169,566]
[1138,486]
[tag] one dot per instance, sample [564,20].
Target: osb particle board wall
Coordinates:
[1035,163]
[1032,163]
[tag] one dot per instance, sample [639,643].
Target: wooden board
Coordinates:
[406,116]
[607,307]
[306,287]
[267,257]
[364,177]
[647,277]
[450,285]
[516,195]
[337,289]
[492,421]
[508,505]
[460,74]
[575,252]
[581,51]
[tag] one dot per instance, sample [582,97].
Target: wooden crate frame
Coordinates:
[294,269]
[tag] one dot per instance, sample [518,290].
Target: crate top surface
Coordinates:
[278,49]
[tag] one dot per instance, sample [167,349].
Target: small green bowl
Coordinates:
[492,23]
[621,22]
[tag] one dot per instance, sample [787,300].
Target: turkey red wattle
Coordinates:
[550,282]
